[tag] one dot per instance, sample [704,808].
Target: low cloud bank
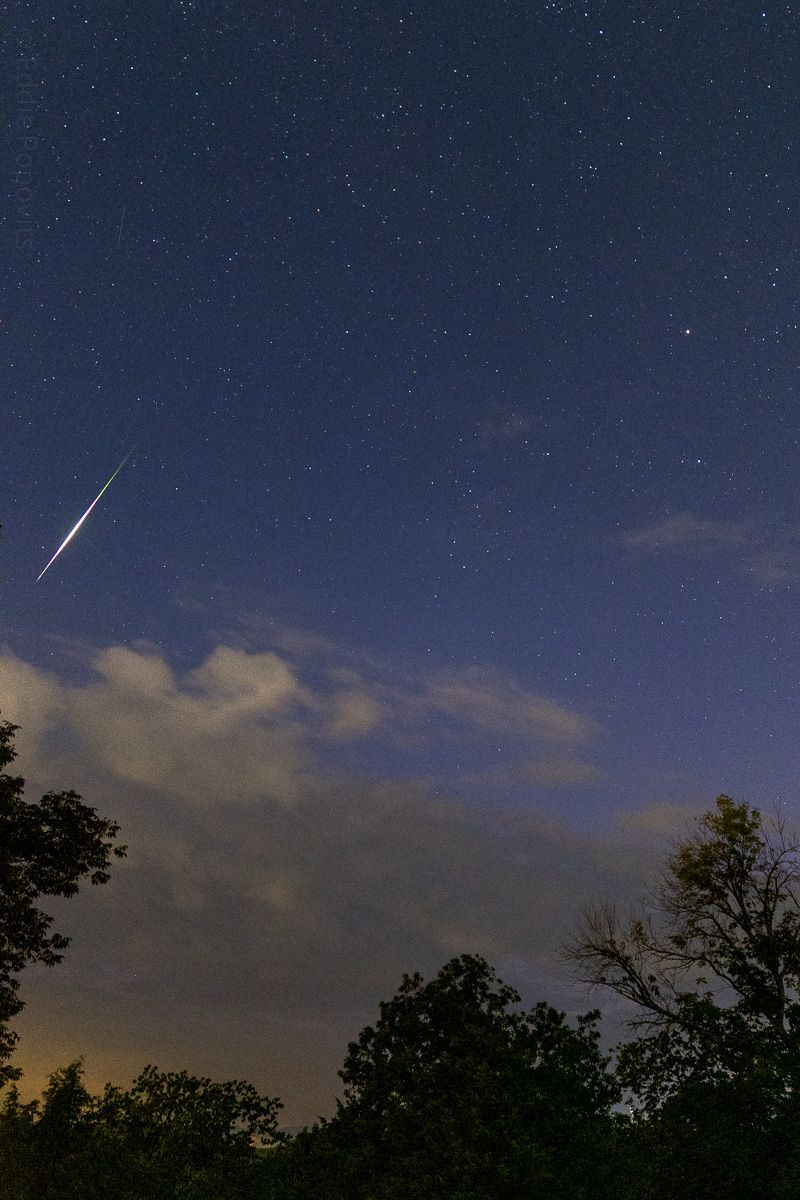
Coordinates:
[276,888]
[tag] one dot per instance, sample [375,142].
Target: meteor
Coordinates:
[75,529]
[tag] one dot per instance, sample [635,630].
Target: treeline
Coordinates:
[170,1135]
[454,1094]
[457,1092]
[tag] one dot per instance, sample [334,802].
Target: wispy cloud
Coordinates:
[548,771]
[766,552]
[488,700]
[684,529]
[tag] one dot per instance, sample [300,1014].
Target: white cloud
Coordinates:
[269,876]
[488,700]
[766,552]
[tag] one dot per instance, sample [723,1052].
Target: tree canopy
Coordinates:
[712,960]
[456,1092]
[46,849]
[710,969]
[170,1135]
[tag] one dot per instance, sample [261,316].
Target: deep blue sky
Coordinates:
[458,348]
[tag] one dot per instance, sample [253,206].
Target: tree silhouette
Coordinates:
[457,1094]
[710,966]
[46,849]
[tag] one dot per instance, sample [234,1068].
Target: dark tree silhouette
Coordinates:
[46,849]
[727,910]
[712,961]
[457,1094]
[711,969]
[172,1135]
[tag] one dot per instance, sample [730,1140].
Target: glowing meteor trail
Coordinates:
[75,529]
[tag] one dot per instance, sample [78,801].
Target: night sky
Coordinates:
[456,563]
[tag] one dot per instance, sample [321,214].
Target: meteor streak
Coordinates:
[75,529]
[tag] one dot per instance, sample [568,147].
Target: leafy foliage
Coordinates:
[46,849]
[712,966]
[170,1136]
[454,1093]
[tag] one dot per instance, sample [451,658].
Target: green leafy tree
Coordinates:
[171,1136]
[17,1148]
[182,1135]
[711,969]
[48,1148]
[46,849]
[454,1093]
[714,955]
[68,1160]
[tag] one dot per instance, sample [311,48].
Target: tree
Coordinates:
[17,1150]
[716,949]
[46,849]
[66,1164]
[455,1094]
[711,966]
[172,1135]
[182,1135]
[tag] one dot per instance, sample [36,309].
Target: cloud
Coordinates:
[504,425]
[550,771]
[686,530]
[553,771]
[226,729]
[775,564]
[355,713]
[289,857]
[483,698]
[31,698]
[253,726]
[658,823]
[766,553]
[217,933]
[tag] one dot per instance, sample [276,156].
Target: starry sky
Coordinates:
[456,562]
